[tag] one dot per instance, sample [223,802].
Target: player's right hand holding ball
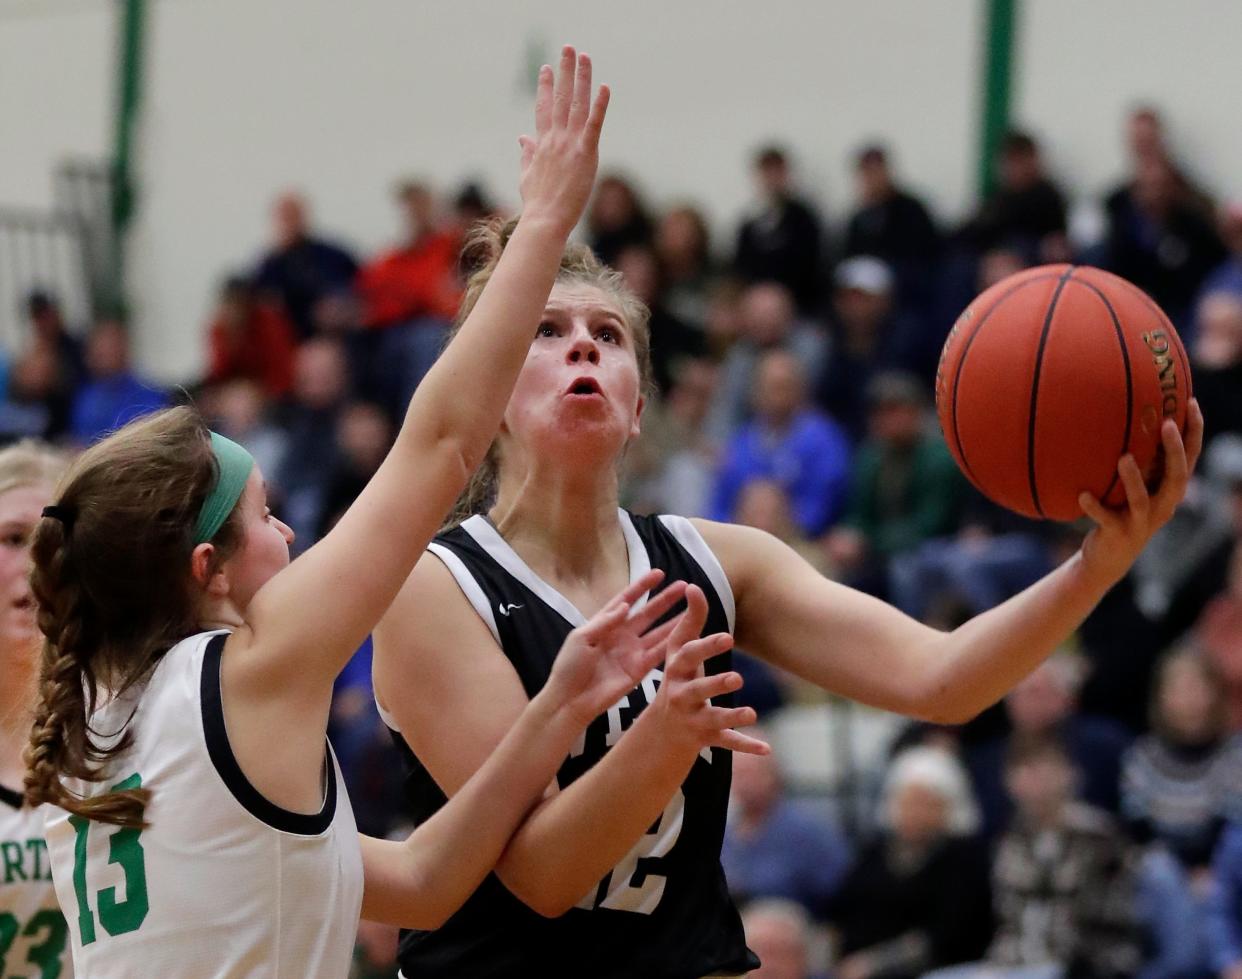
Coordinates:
[1118,538]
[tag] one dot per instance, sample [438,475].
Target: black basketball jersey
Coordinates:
[664,911]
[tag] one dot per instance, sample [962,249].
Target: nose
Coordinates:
[286,532]
[583,348]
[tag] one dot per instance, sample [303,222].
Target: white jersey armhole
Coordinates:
[689,537]
[474,595]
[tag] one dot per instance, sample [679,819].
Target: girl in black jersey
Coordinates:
[616,872]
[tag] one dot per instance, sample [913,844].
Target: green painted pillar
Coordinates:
[130,36]
[999,29]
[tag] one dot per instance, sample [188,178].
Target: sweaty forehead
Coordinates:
[574,297]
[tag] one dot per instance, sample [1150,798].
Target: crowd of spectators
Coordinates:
[1091,825]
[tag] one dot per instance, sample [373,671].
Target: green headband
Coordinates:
[234,464]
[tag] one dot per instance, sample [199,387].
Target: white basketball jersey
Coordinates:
[34,942]
[222,883]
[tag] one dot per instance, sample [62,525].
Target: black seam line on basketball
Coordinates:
[1039,363]
[1125,356]
[961,363]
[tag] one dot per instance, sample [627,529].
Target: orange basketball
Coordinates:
[1049,377]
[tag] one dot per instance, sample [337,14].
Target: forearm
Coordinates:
[574,838]
[447,857]
[976,664]
[346,581]
[464,395]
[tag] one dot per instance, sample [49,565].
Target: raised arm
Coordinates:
[305,623]
[860,647]
[454,711]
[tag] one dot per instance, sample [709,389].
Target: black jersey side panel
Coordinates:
[664,914]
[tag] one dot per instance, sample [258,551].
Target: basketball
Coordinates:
[1049,377]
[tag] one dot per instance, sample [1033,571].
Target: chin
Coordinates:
[582,440]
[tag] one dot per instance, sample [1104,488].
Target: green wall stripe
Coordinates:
[999,29]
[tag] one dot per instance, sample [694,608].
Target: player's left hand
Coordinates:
[1120,536]
[607,656]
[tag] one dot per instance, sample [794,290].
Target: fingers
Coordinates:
[1194,434]
[633,592]
[528,150]
[658,637]
[599,109]
[685,662]
[1099,513]
[563,90]
[1176,471]
[707,687]
[543,101]
[659,604]
[1136,492]
[735,741]
[689,627]
[603,621]
[581,101]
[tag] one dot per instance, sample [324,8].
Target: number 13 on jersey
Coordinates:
[124,850]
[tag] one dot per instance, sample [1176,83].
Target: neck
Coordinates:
[563,520]
[219,613]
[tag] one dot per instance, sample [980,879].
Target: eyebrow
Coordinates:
[555,307]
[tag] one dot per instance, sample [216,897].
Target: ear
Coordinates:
[636,426]
[214,583]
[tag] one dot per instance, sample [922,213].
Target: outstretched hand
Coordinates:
[559,162]
[684,704]
[608,656]
[1120,536]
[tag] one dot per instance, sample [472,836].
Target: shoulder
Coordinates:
[429,615]
[729,541]
[430,593]
[745,554]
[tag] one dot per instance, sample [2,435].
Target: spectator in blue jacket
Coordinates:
[113,394]
[775,849]
[789,443]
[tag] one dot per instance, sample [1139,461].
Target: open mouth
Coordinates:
[584,387]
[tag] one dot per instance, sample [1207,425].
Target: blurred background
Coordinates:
[259,206]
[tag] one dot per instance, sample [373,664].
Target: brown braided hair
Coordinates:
[579,266]
[115,592]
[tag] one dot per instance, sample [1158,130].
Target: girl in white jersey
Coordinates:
[187,674]
[34,940]
[546,531]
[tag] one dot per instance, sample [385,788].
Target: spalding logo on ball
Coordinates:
[1049,377]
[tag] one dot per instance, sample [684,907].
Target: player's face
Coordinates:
[19,512]
[265,544]
[579,389]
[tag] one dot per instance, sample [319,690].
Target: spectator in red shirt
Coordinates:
[419,277]
[250,339]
